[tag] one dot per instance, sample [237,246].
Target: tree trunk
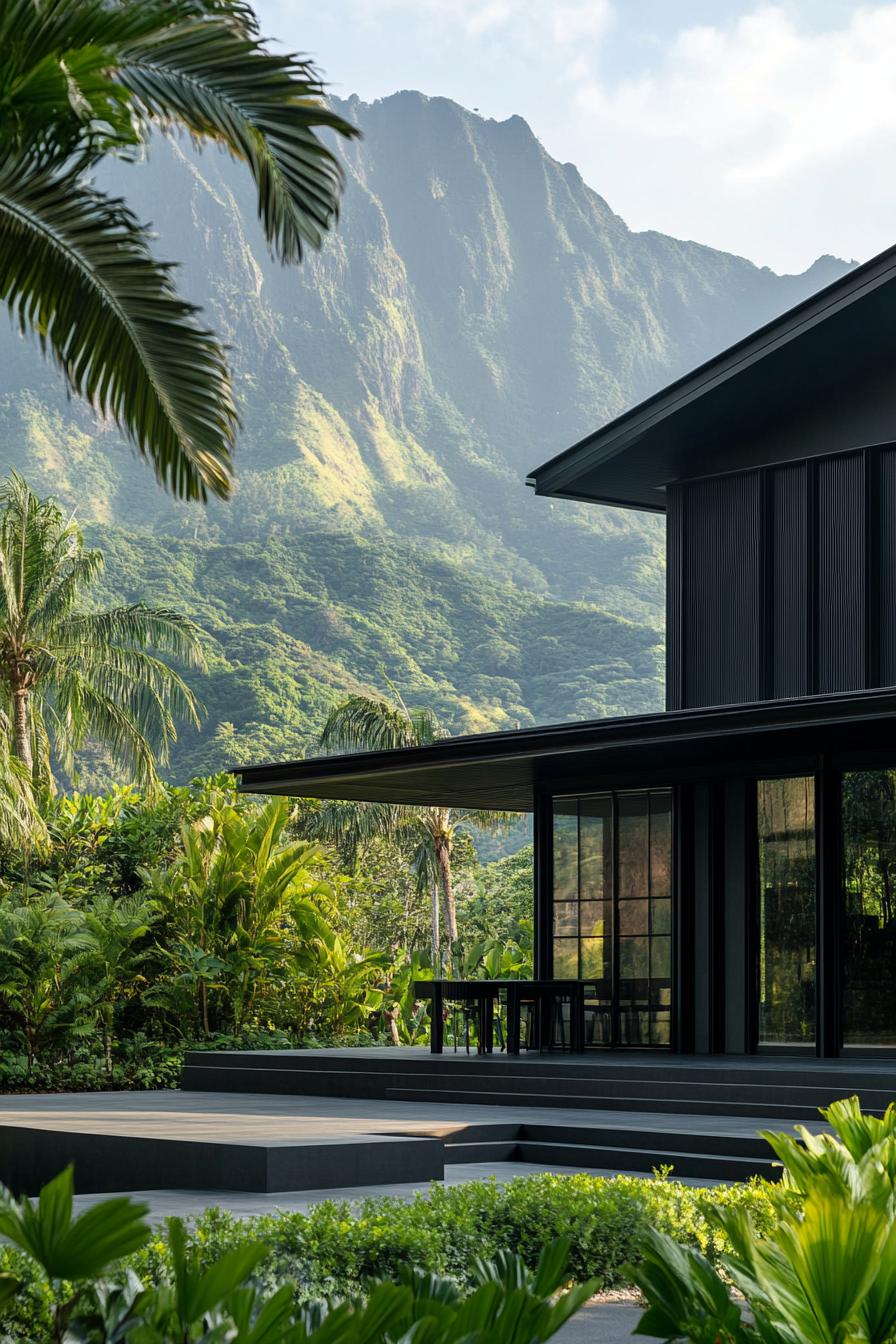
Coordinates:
[436,937]
[443,859]
[106,1020]
[21,728]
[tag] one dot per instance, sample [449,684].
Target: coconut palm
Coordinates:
[69,674]
[373,723]
[84,79]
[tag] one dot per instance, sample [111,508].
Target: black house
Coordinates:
[723,874]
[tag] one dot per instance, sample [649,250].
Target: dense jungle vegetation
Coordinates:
[144,926]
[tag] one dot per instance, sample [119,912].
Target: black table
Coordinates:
[542,994]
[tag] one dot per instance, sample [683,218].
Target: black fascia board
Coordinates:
[507,769]
[560,475]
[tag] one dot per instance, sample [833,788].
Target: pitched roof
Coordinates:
[765,377]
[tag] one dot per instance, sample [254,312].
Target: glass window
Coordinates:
[595,962]
[868,933]
[566,851]
[566,958]
[785,812]
[634,917]
[566,918]
[595,848]
[612,923]
[633,846]
[596,919]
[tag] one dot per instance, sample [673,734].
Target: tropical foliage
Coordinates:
[366,723]
[81,80]
[824,1273]
[147,924]
[336,1249]
[69,673]
[77,1258]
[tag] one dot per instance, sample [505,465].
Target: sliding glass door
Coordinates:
[868,932]
[785,816]
[612,918]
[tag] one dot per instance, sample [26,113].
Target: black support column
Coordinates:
[542,837]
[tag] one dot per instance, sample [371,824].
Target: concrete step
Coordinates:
[609,1068]
[683,1139]
[716,1166]
[501,1150]
[768,1110]
[747,1098]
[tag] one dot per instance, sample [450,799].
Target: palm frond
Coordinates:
[221,83]
[75,269]
[138,626]
[114,722]
[125,674]
[368,723]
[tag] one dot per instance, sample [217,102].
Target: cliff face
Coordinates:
[479,309]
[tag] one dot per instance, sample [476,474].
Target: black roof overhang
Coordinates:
[838,334]
[506,771]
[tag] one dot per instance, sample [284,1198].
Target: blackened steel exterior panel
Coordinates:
[885,511]
[721,615]
[788,582]
[676,522]
[782,581]
[840,595]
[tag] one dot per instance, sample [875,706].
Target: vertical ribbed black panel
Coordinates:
[723,626]
[789,582]
[782,581]
[840,597]
[886,515]
[676,499]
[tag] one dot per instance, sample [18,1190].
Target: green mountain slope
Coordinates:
[479,309]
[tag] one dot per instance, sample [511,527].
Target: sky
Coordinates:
[768,130]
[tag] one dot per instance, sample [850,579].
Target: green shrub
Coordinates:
[196,1292]
[337,1246]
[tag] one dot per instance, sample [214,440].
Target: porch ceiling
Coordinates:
[506,770]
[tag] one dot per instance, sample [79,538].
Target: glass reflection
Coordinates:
[869,907]
[612,929]
[785,810]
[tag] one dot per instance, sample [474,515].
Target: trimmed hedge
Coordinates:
[335,1248]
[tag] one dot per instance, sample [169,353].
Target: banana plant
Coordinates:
[826,1274]
[405,1016]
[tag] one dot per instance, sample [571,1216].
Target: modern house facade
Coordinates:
[723,874]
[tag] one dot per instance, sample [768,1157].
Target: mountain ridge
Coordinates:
[478,309]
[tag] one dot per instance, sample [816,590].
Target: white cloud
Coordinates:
[483,17]
[763,98]
[769,130]
[767,135]
[589,20]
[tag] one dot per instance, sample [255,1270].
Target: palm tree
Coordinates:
[67,673]
[84,79]
[373,723]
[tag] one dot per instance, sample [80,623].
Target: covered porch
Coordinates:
[696,887]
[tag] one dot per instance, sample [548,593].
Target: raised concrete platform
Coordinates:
[777,1088]
[213,1141]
